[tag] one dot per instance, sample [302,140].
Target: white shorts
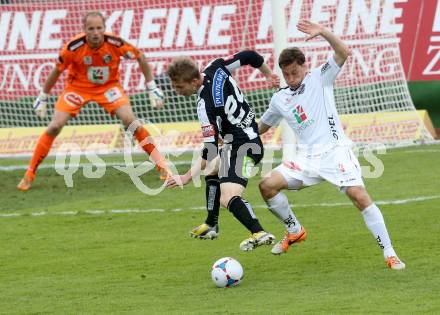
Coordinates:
[338,166]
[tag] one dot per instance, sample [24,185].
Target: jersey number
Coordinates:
[231,104]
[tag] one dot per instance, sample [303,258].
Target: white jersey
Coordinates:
[310,110]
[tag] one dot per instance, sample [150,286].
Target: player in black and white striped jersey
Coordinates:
[224,113]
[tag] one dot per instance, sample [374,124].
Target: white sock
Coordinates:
[374,220]
[279,206]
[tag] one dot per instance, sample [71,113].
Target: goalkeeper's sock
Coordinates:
[146,142]
[243,212]
[374,220]
[212,199]
[40,152]
[279,206]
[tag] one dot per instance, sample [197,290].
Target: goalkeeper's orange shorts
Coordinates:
[71,100]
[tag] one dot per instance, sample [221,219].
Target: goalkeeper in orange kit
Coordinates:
[92,59]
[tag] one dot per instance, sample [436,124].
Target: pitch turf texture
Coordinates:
[59,257]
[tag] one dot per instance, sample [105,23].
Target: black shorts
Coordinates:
[237,161]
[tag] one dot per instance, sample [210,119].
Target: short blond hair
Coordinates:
[183,69]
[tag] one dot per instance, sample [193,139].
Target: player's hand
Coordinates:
[156,95]
[177,180]
[273,80]
[40,105]
[310,28]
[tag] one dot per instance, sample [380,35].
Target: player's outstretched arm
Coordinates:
[312,29]
[255,60]
[195,170]
[40,104]
[262,127]
[272,79]
[155,94]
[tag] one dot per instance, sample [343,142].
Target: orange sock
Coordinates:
[40,152]
[143,136]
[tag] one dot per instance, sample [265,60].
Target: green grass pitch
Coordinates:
[69,251]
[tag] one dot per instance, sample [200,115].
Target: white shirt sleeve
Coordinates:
[329,71]
[272,116]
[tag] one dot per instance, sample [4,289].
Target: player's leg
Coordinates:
[236,166]
[278,204]
[241,209]
[126,115]
[43,146]
[375,222]
[209,229]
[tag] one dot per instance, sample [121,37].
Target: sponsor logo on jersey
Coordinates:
[72,99]
[332,124]
[98,75]
[299,114]
[87,60]
[113,94]
[220,77]
[114,41]
[208,131]
[301,118]
[76,44]
[325,67]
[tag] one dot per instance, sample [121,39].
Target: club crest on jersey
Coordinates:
[220,77]
[107,58]
[87,60]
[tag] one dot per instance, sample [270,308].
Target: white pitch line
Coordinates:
[199,208]
[9,168]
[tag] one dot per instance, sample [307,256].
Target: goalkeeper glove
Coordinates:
[40,105]
[156,95]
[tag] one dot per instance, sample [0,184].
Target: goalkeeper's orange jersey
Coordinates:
[93,70]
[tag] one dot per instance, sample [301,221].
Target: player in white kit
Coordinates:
[324,152]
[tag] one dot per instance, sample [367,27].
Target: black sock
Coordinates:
[212,199]
[242,210]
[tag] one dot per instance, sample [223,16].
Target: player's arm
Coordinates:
[40,104]
[51,80]
[255,60]
[270,118]
[195,170]
[312,29]
[209,157]
[154,92]
[262,127]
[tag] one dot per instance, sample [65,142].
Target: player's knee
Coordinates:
[224,200]
[360,197]
[54,128]
[131,125]
[266,189]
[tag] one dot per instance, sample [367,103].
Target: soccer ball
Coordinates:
[226,272]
